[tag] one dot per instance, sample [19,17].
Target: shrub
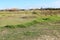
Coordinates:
[34,13]
[45,18]
[10,26]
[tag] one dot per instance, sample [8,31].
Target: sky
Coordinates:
[26,4]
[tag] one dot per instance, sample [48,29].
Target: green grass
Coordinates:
[30,33]
[18,28]
[51,19]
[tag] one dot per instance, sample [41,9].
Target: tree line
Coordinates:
[30,9]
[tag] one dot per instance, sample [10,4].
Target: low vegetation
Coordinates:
[30,25]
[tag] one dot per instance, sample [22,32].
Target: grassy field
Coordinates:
[30,25]
[12,18]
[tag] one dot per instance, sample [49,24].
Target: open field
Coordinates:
[30,25]
[12,18]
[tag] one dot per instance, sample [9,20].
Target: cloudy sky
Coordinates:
[29,4]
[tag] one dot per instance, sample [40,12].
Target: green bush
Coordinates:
[10,26]
[45,19]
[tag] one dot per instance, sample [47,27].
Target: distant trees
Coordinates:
[50,8]
[16,9]
[13,9]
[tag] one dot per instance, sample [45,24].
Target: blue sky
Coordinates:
[29,4]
